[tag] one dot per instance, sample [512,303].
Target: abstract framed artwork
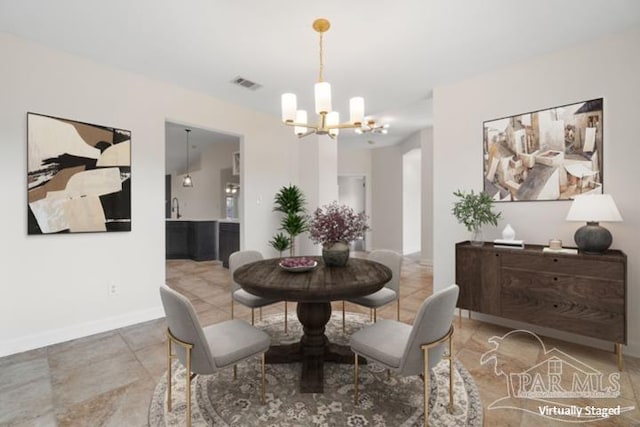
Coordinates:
[552,154]
[78,176]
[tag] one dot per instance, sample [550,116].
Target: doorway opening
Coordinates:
[352,191]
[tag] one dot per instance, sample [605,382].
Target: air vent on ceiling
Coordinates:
[245,83]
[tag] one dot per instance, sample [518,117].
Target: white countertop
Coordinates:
[236,220]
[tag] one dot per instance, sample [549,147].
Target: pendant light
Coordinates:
[187,181]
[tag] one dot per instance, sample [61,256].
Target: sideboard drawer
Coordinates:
[565,264]
[592,294]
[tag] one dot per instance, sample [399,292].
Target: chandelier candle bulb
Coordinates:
[333,119]
[323,97]
[356,108]
[289,107]
[301,118]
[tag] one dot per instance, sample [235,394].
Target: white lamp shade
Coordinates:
[333,119]
[594,207]
[289,106]
[187,181]
[323,97]
[356,110]
[301,117]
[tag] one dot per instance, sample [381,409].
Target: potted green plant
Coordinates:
[474,210]
[280,243]
[290,201]
[334,226]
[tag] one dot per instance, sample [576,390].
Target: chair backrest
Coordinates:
[433,321]
[237,260]
[184,325]
[391,259]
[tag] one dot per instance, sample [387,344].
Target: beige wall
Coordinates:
[205,200]
[426,139]
[607,68]
[55,287]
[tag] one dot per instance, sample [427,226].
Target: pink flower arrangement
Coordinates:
[335,223]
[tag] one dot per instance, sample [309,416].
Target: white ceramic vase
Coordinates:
[508,233]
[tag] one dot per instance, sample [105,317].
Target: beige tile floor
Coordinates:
[107,379]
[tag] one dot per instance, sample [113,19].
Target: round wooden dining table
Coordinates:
[313,291]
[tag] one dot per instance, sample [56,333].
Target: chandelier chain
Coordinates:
[188,131]
[321,76]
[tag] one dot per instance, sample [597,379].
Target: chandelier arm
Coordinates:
[310,132]
[302,125]
[343,126]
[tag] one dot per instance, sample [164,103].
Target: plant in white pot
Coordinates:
[474,210]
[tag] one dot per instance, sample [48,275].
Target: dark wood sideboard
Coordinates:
[577,293]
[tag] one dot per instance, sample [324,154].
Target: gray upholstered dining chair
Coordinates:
[237,260]
[411,350]
[206,350]
[391,290]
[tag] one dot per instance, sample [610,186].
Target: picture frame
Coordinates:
[78,176]
[550,154]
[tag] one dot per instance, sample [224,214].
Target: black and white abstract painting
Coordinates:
[551,154]
[78,175]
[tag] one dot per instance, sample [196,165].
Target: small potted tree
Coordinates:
[290,201]
[474,210]
[280,243]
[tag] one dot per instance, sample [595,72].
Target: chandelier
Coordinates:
[372,127]
[329,120]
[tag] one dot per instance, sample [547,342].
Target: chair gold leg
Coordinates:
[460,318]
[168,374]
[232,308]
[375,315]
[427,390]
[355,380]
[388,374]
[252,317]
[262,370]
[343,328]
[286,329]
[188,350]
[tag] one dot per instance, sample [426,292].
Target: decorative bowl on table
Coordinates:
[298,264]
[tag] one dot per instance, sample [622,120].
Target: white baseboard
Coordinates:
[55,336]
[629,350]
[427,263]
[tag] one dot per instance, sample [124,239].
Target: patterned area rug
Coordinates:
[395,401]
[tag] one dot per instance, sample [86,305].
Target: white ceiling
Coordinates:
[391,52]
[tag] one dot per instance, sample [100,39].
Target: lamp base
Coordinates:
[592,238]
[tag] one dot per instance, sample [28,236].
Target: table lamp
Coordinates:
[592,208]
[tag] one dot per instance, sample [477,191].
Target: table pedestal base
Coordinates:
[313,349]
